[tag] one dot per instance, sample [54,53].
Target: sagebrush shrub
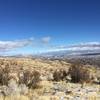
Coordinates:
[98,80]
[35,78]
[59,75]
[30,78]
[4,75]
[13,87]
[23,89]
[79,73]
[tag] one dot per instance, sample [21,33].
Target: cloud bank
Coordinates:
[79,47]
[11,45]
[7,46]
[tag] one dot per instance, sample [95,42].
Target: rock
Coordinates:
[68,97]
[60,94]
[68,92]
[59,87]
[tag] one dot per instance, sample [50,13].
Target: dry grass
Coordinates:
[26,74]
[16,97]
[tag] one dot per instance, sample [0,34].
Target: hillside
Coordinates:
[41,79]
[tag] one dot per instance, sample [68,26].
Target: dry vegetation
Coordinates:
[37,79]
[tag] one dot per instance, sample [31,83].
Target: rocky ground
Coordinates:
[71,91]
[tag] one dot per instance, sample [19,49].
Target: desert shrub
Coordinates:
[98,80]
[4,75]
[80,73]
[13,88]
[24,77]
[35,78]
[30,78]
[23,89]
[59,75]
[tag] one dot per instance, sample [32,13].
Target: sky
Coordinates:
[32,26]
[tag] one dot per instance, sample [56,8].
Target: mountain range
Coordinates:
[78,50]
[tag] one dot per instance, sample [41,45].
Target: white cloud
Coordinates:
[11,45]
[7,46]
[89,44]
[46,39]
[78,47]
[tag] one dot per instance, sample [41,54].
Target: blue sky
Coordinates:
[63,21]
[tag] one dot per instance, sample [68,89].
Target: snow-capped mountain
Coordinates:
[83,49]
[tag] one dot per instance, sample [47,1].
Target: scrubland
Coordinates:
[39,79]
